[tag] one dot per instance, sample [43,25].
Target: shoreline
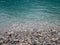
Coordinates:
[29,26]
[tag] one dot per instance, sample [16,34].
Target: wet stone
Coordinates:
[33,42]
[1,41]
[30,38]
[16,40]
[4,44]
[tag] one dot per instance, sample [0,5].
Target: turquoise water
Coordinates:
[22,11]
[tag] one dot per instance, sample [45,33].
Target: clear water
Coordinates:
[36,11]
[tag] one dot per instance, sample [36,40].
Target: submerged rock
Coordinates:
[1,41]
[30,38]
[4,44]
[53,31]
[15,41]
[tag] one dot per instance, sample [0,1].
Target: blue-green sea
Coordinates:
[29,11]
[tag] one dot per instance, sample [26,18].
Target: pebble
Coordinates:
[4,44]
[1,41]
[16,41]
[30,38]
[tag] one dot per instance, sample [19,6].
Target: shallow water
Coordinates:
[29,11]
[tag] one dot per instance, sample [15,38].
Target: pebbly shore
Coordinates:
[34,37]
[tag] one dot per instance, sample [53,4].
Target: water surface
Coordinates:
[31,11]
